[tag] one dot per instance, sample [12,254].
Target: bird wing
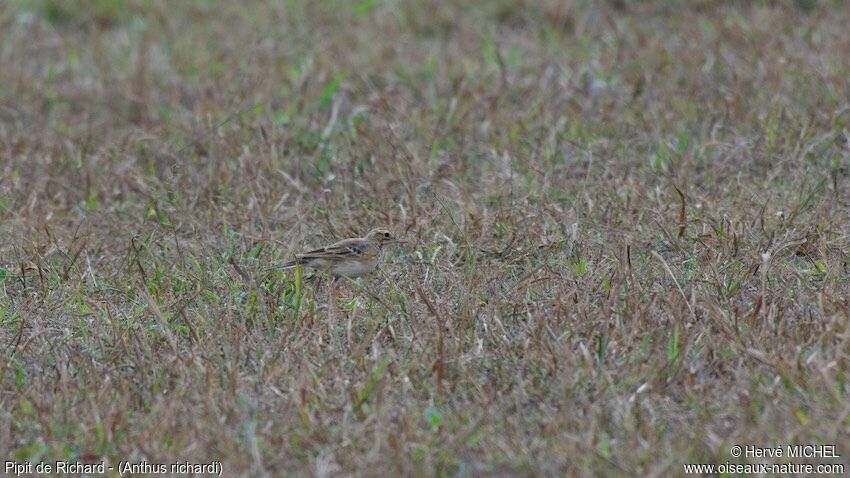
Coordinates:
[342,250]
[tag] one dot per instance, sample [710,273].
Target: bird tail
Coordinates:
[289,265]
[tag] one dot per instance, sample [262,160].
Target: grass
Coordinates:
[627,223]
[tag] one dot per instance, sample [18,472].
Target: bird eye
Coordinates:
[386,234]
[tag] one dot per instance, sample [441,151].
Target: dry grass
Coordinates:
[628,224]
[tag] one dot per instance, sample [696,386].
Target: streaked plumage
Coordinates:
[349,257]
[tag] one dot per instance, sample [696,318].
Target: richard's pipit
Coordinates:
[349,257]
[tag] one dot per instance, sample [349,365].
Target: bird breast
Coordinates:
[354,268]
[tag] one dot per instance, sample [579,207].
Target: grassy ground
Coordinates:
[628,226]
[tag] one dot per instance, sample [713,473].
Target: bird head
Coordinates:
[382,236]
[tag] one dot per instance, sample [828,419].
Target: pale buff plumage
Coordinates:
[349,258]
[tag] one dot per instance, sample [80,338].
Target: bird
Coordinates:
[352,258]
